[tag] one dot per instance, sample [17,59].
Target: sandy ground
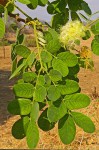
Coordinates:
[89,82]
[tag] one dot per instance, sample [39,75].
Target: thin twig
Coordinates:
[23,12]
[16,16]
[79,148]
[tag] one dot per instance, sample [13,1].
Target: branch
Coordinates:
[16,16]
[23,13]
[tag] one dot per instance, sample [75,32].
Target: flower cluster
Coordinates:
[71,32]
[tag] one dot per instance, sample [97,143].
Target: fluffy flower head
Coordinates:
[72,31]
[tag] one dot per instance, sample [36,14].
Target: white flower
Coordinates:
[70,32]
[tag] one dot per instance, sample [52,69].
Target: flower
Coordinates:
[72,31]
[85,52]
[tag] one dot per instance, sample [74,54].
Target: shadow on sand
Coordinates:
[6,94]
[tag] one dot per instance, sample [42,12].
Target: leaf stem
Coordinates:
[38,48]
[92,22]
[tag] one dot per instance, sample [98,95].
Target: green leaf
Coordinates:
[24,90]
[66,129]
[87,35]
[60,19]
[74,16]
[73,70]
[17,70]
[55,75]
[2,28]
[29,76]
[46,57]
[34,111]
[56,6]
[70,87]
[37,66]
[69,58]
[20,81]
[51,34]
[47,79]
[32,135]
[55,113]
[41,80]
[54,34]
[42,2]
[13,54]
[30,59]
[53,7]
[5,15]
[22,51]
[24,1]
[14,65]
[40,93]
[48,36]
[74,5]
[44,123]
[10,6]
[34,3]
[95,28]
[83,122]
[53,46]
[62,5]
[20,38]
[53,93]
[77,42]
[77,101]
[86,8]
[97,38]
[20,106]
[60,66]
[19,128]
[26,62]
[1,8]
[95,47]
